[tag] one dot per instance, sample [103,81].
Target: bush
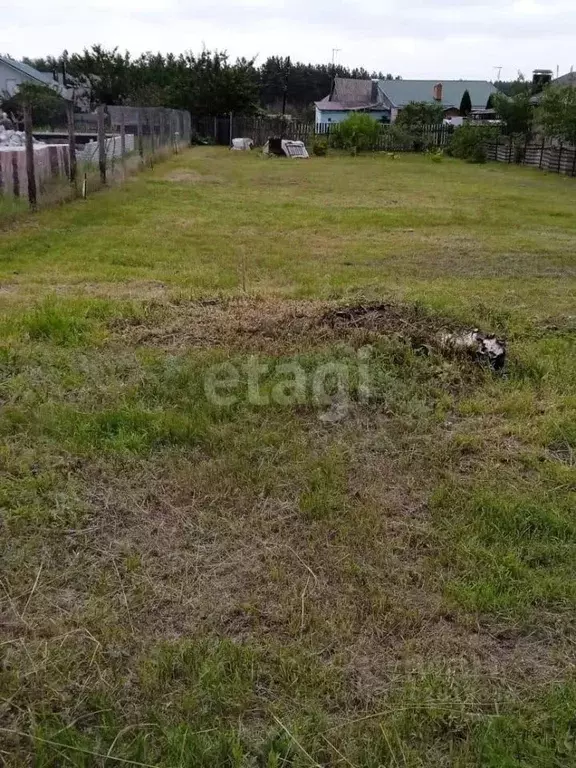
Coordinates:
[320,147]
[478,154]
[358,133]
[467,142]
[435,154]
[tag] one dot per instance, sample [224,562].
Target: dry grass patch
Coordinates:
[192,177]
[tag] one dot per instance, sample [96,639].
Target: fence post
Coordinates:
[122,135]
[162,115]
[541,154]
[30,172]
[71,143]
[573,162]
[101,144]
[231,127]
[560,156]
[139,134]
[151,130]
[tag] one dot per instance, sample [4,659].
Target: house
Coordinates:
[384,99]
[396,94]
[568,79]
[348,96]
[13,73]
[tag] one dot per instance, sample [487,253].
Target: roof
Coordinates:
[567,79]
[402,92]
[351,94]
[45,78]
[351,91]
[25,69]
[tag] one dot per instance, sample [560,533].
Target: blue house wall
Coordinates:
[331,116]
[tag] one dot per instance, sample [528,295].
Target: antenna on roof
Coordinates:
[334,52]
[499,68]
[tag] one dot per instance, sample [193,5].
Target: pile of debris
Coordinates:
[422,330]
[11,139]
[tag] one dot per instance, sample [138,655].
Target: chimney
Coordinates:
[438,92]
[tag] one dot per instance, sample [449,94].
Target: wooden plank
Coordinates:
[15,176]
[30,170]
[72,166]
[101,144]
[139,135]
[122,135]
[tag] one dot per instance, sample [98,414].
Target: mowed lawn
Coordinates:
[250,582]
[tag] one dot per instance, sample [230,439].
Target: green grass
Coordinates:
[188,583]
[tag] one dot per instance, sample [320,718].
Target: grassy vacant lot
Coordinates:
[188,584]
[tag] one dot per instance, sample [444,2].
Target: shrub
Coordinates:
[467,142]
[320,147]
[515,112]
[478,154]
[358,133]
[435,154]
[419,114]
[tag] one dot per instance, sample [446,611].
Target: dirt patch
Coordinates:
[286,327]
[192,177]
[274,325]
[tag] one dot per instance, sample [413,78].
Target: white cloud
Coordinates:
[415,38]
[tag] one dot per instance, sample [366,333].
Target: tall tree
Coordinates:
[556,115]
[515,112]
[206,84]
[466,104]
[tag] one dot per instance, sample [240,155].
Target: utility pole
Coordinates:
[334,52]
[499,68]
[287,66]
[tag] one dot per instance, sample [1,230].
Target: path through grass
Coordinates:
[187,583]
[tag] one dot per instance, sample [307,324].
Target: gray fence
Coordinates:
[222,130]
[89,152]
[543,154]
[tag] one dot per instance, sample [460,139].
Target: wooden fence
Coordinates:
[543,154]
[223,129]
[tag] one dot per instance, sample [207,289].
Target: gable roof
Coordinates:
[25,69]
[402,92]
[43,78]
[567,79]
[351,91]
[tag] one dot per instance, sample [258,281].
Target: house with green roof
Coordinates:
[396,94]
[384,99]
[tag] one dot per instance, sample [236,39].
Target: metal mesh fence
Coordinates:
[89,152]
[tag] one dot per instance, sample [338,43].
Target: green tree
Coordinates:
[490,102]
[468,142]
[48,107]
[466,104]
[359,132]
[515,112]
[419,114]
[556,115]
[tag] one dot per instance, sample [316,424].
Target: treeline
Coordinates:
[206,84]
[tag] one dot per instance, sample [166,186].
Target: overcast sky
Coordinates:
[413,38]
